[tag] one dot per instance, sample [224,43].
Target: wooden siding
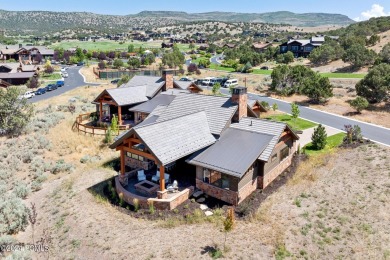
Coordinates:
[271,164]
[248,177]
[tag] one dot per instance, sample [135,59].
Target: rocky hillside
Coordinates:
[43,21]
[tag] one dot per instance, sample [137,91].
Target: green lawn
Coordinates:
[111,45]
[332,142]
[53,76]
[219,67]
[343,75]
[298,124]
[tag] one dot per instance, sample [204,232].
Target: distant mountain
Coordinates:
[282,17]
[44,21]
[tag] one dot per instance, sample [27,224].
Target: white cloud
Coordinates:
[375,11]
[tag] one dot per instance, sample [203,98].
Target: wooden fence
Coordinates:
[93,130]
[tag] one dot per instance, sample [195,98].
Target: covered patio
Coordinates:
[117,102]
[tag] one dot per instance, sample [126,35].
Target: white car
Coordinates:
[65,74]
[29,94]
[63,69]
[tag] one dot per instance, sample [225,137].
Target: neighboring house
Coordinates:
[216,144]
[229,45]
[16,73]
[119,101]
[25,54]
[302,48]
[260,47]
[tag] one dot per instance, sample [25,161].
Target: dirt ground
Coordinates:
[336,206]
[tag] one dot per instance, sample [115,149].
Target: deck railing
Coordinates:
[82,125]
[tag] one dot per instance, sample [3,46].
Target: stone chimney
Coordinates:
[240,97]
[167,76]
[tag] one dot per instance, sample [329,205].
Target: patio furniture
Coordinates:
[156,177]
[174,187]
[141,175]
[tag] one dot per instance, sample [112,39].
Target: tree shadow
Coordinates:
[354,113]
[114,164]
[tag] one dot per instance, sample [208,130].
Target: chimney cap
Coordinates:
[239,90]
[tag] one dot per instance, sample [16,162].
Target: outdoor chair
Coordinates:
[156,178]
[141,175]
[174,187]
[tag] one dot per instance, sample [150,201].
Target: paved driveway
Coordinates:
[74,80]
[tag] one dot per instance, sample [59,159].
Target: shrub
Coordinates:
[108,136]
[192,68]
[265,104]
[61,166]
[354,134]
[152,210]
[359,103]
[21,190]
[13,215]
[136,204]
[33,83]
[318,138]
[36,186]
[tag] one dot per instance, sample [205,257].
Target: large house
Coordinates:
[215,144]
[16,73]
[301,47]
[120,101]
[26,55]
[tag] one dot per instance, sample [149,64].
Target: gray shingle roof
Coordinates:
[219,110]
[234,152]
[265,127]
[150,105]
[176,138]
[128,96]
[152,84]
[183,84]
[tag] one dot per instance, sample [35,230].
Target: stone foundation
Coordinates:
[274,173]
[228,196]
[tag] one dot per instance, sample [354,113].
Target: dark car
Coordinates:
[198,82]
[81,63]
[51,87]
[40,91]
[115,81]
[60,83]
[264,68]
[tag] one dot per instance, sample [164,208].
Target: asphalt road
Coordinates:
[74,80]
[373,132]
[215,59]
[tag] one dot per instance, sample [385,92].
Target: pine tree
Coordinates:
[318,138]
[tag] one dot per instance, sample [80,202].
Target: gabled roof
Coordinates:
[219,110]
[252,102]
[266,127]
[125,96]
[234,153]
[185,84]
[152,84]
[150,105]
[173,139]
[301,42]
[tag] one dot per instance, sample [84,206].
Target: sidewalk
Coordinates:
[305,137]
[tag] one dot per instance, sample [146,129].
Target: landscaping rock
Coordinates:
[208,213]
[201,200]
[197,194]
[203,207]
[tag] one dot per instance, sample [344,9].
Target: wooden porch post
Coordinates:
[120,115]
[100,110]
[162,178]
[122,162]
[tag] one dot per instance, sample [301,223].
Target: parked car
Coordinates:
[63,69]
[221,81]
[264,68]
[185,79]
[28,94]
[60,83]
[230,83]
[65,74]
[198,82]
[207,81]
[81,63]
[115,81]
[40,91]
[51,87]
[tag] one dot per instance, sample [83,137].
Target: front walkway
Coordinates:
[305,137]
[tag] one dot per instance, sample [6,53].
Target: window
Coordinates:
[284,153]
[225,182]
[308,48]
[274,157]
[206,175]
[283,49]
[294,48]
[134,156]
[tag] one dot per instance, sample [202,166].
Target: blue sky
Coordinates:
[355,9]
